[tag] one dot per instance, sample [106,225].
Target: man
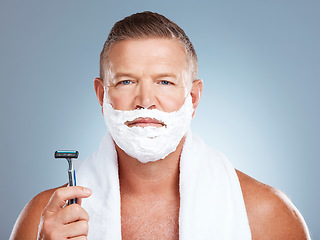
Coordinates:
[151,178]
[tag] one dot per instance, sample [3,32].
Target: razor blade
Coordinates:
[66,154]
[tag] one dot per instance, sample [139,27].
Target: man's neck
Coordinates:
[158,179]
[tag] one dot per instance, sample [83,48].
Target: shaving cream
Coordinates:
[149,143]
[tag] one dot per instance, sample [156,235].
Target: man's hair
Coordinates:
[148,25]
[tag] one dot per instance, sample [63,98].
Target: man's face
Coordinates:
[147,73]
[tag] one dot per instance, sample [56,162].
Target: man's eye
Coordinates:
[164,82]
[125,82]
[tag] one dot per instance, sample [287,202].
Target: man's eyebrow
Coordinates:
[130,75]
[164,75]
[121,75]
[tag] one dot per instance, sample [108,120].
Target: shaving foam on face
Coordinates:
[148,144]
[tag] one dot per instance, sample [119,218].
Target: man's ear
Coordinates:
[98,87]
[196,91]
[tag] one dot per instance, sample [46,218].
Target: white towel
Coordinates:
[211,201]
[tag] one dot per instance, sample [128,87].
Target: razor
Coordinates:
[69,155]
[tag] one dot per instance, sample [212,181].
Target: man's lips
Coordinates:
[143,122]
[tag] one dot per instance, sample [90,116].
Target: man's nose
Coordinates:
[145,96]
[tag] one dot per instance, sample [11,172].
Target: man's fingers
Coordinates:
[72,213]
[61,195]
[76,229]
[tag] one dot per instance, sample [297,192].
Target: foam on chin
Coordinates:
[148,144]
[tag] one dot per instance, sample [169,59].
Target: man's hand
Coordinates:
[64,222]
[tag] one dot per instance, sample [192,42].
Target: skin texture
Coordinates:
[146,73]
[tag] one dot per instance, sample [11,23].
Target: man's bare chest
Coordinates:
[156,220]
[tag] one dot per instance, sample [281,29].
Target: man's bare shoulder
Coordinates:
[26,226]
[271,214]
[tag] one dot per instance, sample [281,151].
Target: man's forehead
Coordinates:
[148,47]
[161,56]
[166,53]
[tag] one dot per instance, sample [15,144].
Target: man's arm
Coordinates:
[271,214]
[26,226]
[46,216]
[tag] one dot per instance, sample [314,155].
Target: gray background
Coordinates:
[259,61]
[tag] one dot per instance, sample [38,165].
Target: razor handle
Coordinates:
[72,182]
